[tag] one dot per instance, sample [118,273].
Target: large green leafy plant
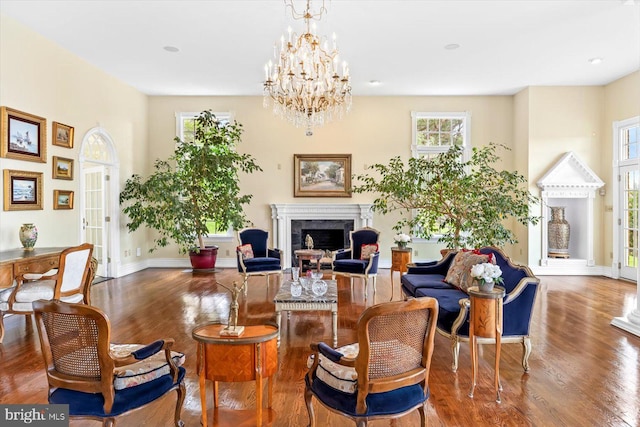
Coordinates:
[465,203]
[198,184]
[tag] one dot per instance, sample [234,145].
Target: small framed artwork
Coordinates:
[22,190]
[24,136]
[62,168]
[322,175]
[62,135]
[62,199]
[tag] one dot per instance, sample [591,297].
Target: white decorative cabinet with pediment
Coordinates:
[572,184]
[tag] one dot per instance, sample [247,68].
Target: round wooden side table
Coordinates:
[400,257]
[249,357]
[485,321]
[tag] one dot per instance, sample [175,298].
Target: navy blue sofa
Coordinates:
[521,288]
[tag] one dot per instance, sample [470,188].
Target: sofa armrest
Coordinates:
[520,287]
[372,267]
[274,253]
[465,305]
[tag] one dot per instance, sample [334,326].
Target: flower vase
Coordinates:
[402,245]
[486,287]
[28,236]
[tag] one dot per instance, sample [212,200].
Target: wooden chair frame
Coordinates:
[105,383]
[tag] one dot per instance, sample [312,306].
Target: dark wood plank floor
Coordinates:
[584,372]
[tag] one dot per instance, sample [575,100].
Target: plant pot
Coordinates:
[205,259]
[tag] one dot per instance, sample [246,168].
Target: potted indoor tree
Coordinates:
[195,189]
[464,203]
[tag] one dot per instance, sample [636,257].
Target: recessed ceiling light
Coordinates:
[374,82]
[595,61]
[171,49]
[452,46]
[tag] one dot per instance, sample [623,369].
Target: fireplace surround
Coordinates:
[322,215]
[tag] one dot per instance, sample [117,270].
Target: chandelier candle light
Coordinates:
[303,81]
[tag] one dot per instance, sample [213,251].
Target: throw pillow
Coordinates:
[246,251]
[459,274]
[367,250]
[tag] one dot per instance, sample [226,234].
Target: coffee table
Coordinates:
[308,302]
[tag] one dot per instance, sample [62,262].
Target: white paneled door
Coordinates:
[95,222]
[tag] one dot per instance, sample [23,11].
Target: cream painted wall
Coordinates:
[377,129]
[39,77]
[621,101]
[563,119]
[540,124]
[520,251]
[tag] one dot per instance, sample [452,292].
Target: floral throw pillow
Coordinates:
[459,274]
[246,251]
[367,250]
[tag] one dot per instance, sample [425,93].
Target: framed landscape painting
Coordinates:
[62,168]
[22,190]
[322,175]
[24,136]
[62,135]
[62,199]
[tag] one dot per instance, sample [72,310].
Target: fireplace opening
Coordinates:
[327,235]
[326,239]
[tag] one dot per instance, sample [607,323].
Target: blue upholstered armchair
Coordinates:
[385,374]
[254,256]
[361,258]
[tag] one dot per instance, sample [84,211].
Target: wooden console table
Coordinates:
[18,261]
[249,357]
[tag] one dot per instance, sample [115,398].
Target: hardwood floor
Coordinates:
[584,372]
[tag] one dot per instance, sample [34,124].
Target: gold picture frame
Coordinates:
[62,135]
[62,199]
[62,168]
[22,190]
[322,175]
[23,136]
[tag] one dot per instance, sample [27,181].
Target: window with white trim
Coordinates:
[185,130]
[434,133]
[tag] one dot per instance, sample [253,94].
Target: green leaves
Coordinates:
[465,203]
[199,183]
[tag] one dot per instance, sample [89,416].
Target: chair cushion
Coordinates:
[343,378]
[459,274]
[386,403]
[356,266]
[28,293]
[367,250]
[246,251]
[143,371]
[262,264]
[125,400]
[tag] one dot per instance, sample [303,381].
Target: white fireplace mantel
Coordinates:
[283,214]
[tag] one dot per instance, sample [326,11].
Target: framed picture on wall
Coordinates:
[24,136]
[322,175]
[62,168]
[22,190]
[62,199]
[62,135]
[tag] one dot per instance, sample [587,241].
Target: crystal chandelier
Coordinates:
[303,82]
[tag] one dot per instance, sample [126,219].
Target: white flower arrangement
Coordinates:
[402,238]
[487,273]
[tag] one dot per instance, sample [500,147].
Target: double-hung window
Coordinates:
[433,133]
[185,130]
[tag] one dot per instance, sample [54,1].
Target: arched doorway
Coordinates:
[99,198]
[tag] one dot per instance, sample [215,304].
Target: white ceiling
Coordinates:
[505,45]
